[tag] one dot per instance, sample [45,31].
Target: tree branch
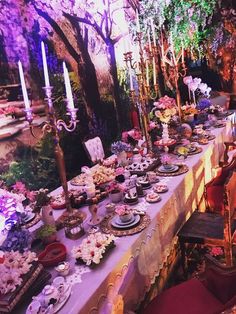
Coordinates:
[94,25]
[59,32]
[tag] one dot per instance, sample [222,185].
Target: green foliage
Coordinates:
[45,231]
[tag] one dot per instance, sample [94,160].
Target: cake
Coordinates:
[153,197]
[131,198]
[144,182]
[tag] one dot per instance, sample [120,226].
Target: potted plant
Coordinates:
[166,161]
[115,192]
[124,212]
[47,233]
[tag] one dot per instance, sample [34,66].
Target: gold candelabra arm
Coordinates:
[70,127]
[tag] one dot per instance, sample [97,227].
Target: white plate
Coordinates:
[174,168]
[59,305]
[118,226]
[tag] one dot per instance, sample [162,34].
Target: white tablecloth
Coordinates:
[126,274]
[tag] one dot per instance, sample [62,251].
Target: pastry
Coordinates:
[160,188]
[153,197]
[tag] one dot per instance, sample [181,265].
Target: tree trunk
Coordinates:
[86,69]
[116,86]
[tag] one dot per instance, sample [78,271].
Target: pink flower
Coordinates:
[122,210]
[31,195]
[119,170]
[20,187]
[152,125]
[166,159]
[124,136]
[187,80]
[216,251]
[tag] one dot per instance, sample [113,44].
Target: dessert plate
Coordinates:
[160,188]
[174,168]
[128,225]
[149,200]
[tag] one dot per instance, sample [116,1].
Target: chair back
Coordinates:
[229,199]
[94,149]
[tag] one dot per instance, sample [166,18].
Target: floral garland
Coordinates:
[92,249]
[14,265]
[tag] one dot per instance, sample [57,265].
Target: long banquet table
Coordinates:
[127,272]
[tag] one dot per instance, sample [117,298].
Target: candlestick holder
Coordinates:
[53,126]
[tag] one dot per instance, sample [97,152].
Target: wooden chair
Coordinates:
[214,190]
[229,154]
[211,228]
[94,149]
[213,293]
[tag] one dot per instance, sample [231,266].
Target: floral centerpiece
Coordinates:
[166,161]
[119,147]
[115,191]
[196,88]
[92,249]
[124,212]
[132,136]
[14,266]
[165,109]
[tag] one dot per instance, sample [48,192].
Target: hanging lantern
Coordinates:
[73,227]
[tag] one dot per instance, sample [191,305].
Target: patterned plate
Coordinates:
[162,169]
[107,227]
[115,222]
[182,169]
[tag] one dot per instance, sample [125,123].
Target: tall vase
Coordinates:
[122,158]
[165,133]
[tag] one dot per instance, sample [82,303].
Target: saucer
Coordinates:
[118,221]
[128,225]
[174,168]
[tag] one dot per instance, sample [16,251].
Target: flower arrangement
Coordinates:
[120,146]
[165,109]
[203,104]
[189,109]
[122,210]
[166,159]
[197,88]
[132,136]
[20,188]
[115,187]
[17,240]
[10,111]
[217,252]
[15,265]
[46,231]
[93,248]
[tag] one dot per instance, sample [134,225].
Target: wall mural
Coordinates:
[91,36]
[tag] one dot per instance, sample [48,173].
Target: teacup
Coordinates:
[59,284]
[167,166]
[34,307]
[49,295]
[63,268]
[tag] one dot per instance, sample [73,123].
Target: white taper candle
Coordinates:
[45,66]
[23,86]
[69,96]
